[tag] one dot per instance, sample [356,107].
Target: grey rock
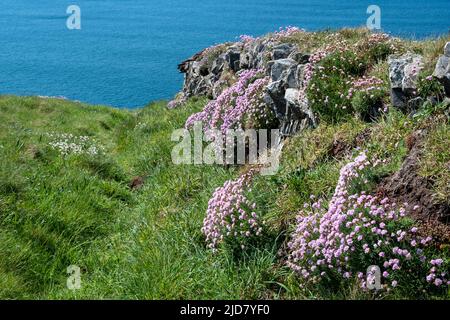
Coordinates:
[253,54]
[300,75]
[414,104]
[232,57]
[398,97]
[284,70]
[284,64]
[283,97]
[301,58]
[276,91]
[442,67]
[447,49]
[278,67]
[403,72]
[236,66]
[298,116]
[279,54]
[199,68]
[442,72]
[292,96]
[217,65]
[282,51]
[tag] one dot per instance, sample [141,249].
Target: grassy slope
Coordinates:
[58,211]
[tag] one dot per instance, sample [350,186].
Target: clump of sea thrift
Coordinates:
[356,231]
[328,77]
[313,61]
[285,32]
[237,107]
[366,85]
[231,216]
[244,38]
[366,95]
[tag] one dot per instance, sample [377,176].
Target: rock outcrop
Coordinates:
[212,70]
[403,72]
[209,72]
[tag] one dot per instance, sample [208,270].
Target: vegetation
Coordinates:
[78,209]
[96,187]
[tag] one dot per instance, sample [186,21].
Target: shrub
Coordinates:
[230,217]
[366,95]
[357,231]
[239,106]
[378,46]
[327,90]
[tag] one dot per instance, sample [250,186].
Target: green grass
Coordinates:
[435,163]
[57,211]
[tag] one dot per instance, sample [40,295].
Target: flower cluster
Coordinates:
[438,273]
[379,37]
[244,38]
[250,109]
[230,215]
[365,85]
[357,231]
[237,106]
[285,32]
[381,42]
[67,143]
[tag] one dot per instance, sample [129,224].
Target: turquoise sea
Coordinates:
[126,52]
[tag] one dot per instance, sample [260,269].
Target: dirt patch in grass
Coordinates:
[136,183]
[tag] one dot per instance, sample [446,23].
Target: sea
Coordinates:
[125,52]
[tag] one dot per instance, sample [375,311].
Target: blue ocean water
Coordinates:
[127,51]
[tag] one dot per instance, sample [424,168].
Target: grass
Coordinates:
[435,163]
[57,211]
